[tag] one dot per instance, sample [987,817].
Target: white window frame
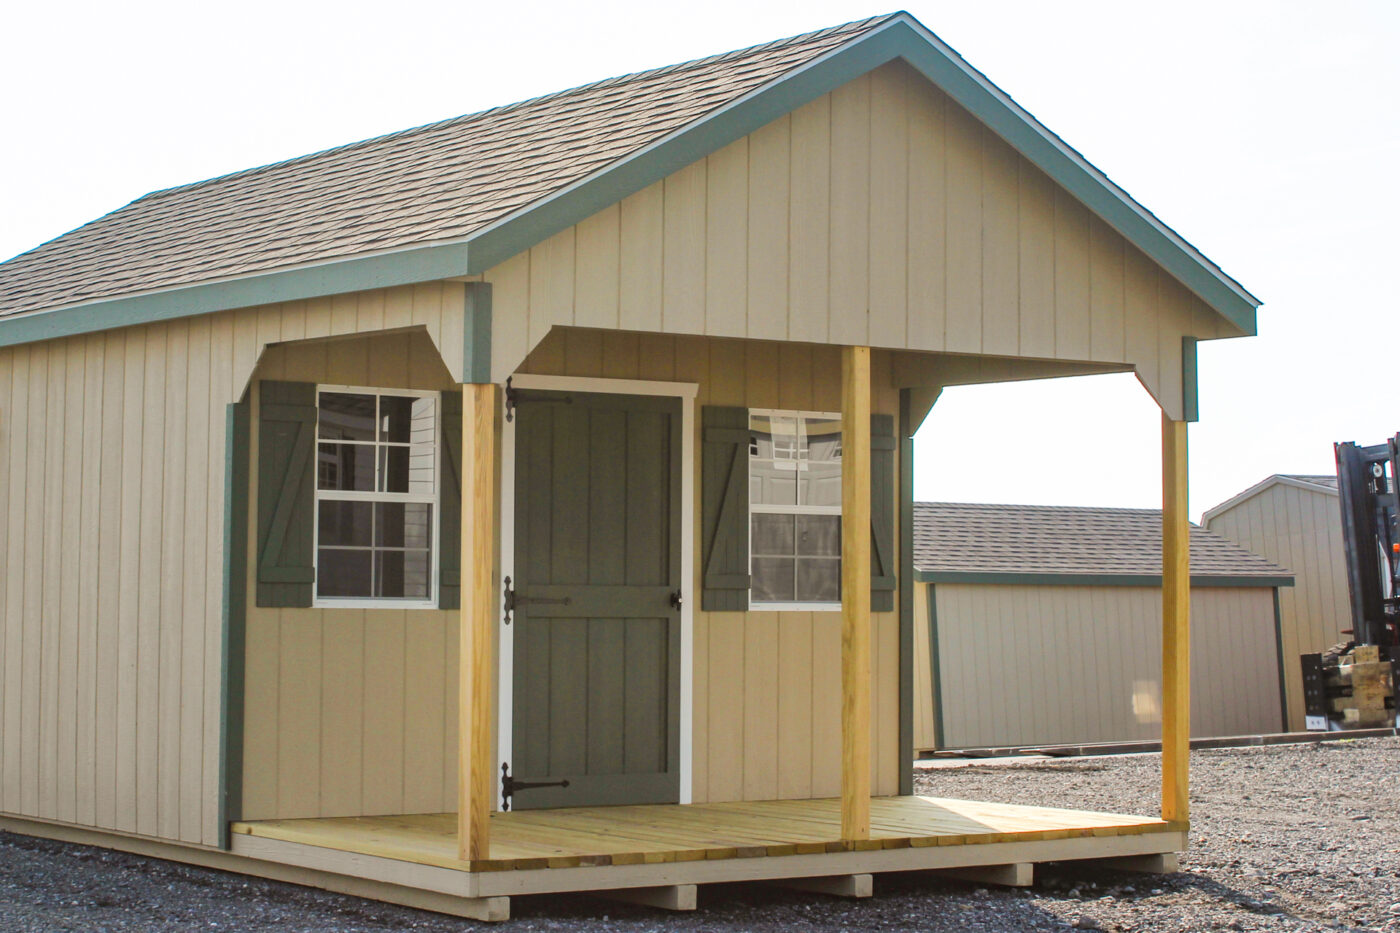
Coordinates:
[435,499]
[789,510]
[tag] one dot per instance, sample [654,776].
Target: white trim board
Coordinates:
[686,392]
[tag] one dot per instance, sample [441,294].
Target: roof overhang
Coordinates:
[901,36]
[989,578]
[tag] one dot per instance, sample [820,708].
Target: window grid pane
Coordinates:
[376,495]
[795,508]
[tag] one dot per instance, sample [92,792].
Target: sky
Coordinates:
[1265,133]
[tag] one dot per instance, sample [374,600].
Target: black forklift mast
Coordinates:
[1371,538]
[1340,686]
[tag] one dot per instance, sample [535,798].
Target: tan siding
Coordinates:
[881,213]
[1300,530]
[1027,665]
[111,537]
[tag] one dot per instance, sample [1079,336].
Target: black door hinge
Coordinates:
[510,785]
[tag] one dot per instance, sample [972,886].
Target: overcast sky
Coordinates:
[1266,133]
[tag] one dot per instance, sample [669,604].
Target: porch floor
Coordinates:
[651,834]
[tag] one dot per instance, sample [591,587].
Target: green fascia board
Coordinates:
[385,270]
[1190,381]
[901,37]
[1093,579]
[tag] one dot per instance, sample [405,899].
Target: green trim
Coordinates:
[424,264]
[1190,389]
[476,334]
[901,37]
[906,598]
[235,602]
[1091,579]
[935,669]
[1282,670]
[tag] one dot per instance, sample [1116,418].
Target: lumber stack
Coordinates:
[1362,689]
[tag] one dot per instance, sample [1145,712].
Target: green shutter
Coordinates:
[450,540]
[724,506]
[883,449]
[286,493]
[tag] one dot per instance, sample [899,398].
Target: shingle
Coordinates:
[1329,480]
[433,182]
[979,538]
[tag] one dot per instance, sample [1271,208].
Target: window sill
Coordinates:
[794,607]
[373,604]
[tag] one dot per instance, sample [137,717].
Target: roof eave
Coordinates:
[901,36]
[1087,578]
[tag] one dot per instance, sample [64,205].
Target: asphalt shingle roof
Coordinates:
[979,538]
[434,183]
[1329,480]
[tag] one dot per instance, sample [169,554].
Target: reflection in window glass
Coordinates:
[376,482]
[795,506]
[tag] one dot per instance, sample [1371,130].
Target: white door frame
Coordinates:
[686,392]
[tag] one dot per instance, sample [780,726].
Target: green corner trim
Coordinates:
[935,669]
[900,37]
[1092,579]
[1282,662]
[235,599]
[476,331]
[1190,389]
[906,597]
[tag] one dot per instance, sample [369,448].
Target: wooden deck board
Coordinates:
[635,835]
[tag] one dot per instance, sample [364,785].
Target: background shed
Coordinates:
[1040,625]
[1296,522]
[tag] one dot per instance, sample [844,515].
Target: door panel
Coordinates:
[597,559]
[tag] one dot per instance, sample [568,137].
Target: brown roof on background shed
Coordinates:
[437,182]
[1042,539]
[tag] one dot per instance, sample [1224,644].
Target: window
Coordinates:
[794,510]
[376,497]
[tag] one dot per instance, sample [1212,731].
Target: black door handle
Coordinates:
[676,600]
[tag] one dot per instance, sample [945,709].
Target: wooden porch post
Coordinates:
[1176,613]
[855,593]
[477,681]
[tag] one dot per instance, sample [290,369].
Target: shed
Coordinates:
[1296,521]
[375,518]
[1040,625]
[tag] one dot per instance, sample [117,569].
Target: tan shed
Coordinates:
[1040,625]
[1295,521]
[374,519]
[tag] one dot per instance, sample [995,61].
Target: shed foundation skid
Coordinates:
[598,849]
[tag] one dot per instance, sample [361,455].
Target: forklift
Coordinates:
[1356,685]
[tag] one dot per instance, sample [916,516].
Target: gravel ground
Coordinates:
[1290,838]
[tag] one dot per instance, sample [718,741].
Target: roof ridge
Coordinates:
[854,26]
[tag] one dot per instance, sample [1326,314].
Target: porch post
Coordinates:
[477,682]
[1176,612]
[855,593]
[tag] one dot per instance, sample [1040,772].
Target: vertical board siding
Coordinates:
[883,214]
[766,718]
[111,538]
[1030,665]
[1301,530]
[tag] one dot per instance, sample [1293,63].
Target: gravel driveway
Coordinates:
[1303,837]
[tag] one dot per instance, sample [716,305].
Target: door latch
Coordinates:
[676,600]
[510,785]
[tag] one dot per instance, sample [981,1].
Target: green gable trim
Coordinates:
[1190,391]
[1091,579]
[333,278]
[901,37]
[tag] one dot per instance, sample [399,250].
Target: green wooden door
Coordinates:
[596,635]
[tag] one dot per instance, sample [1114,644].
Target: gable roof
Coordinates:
[1324,484]
[967,542]
[457,197]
